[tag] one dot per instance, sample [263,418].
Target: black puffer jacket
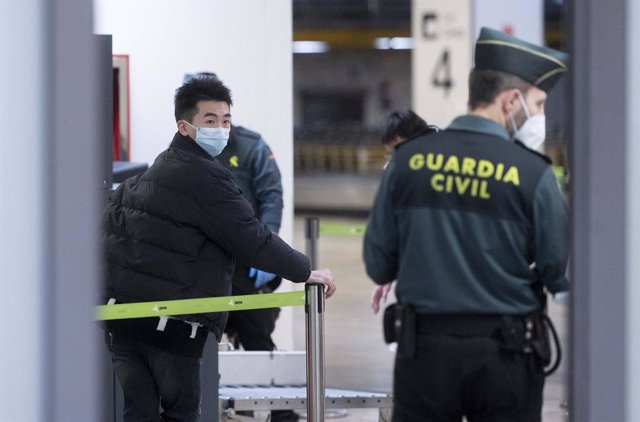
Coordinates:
[175,232]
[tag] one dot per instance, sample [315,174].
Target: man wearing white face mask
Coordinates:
[472,225]
[176,232]
[533,131]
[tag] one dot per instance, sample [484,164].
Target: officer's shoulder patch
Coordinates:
[529,150]
[244,132]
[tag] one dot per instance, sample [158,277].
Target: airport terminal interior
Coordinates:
[338,159]
[337,71]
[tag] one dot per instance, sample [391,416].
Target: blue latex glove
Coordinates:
[261,277]
[561,298]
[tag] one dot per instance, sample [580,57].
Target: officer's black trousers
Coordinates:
[454,376]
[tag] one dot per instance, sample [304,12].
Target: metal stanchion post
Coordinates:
[312,232]
[314,310]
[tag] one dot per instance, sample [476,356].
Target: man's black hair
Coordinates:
[485,85]
[195,90]
[404,124]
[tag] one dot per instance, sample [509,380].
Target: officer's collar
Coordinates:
[472,123]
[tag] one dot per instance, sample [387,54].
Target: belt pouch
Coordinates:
[512,337]
[406,332]
[540,340]
[389,323]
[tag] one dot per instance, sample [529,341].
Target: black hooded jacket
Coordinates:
[176,231]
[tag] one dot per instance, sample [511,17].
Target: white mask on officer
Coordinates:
[533,131]
[211,139]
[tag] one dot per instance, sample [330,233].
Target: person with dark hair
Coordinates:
[176,232]
[473,226]
[399,127]
[253,166]
[402,125]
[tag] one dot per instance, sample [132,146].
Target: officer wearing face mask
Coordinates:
[471,223]
[176,232]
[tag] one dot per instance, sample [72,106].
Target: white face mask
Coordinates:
[211,139]
[533,131]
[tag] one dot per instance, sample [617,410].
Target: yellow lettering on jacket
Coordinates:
[434,161]
[512,176]
[416,162]
[463,175]
[436,182]
[452,166]
[468,166]
[499,171]
[460,185]
[485,168]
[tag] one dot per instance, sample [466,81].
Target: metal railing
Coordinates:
[314,312]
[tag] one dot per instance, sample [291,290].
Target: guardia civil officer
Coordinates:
[252,164]
[471,222]
[176,232]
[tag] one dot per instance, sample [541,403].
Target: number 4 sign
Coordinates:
[444,32]
[441,58]
[441,77]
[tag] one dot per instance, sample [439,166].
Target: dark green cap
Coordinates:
[540,66]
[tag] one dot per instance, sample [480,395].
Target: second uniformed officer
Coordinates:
[253,167]
[471,223]
[250,161]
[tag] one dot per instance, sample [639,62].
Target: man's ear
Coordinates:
[182,128]
[509,100]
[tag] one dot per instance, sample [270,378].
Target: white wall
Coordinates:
[247,43]
[523,17]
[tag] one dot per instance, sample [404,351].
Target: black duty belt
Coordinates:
[516,333]
[460,325]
